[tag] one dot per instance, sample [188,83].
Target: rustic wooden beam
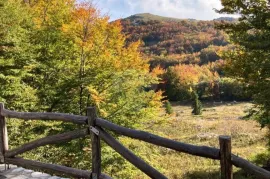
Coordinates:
[249,167]
[128,155]
[202,151]
[30,164]
[45,116]
[3,135]
[53,139]
[225,157]
[95,143]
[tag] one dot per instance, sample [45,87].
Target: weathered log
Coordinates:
[30,164]
[53,139]
[95,143]
[128,155]
[202,151]
[3,135]
[249,167]
[45,116]
[225,157]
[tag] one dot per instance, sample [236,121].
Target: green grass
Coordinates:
[248,141]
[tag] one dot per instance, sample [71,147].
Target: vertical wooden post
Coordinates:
[3,135]
[95,141]
[225,157]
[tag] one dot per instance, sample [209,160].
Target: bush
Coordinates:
[168,107]
[233,89]
[197,105]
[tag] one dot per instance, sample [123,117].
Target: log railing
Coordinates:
[95,127]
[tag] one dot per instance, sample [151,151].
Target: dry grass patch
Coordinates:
[248,140]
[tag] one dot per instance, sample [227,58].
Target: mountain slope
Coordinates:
[180,40]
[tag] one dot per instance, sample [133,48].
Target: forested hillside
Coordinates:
[169,36]
[189,51]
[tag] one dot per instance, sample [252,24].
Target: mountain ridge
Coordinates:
[153,17]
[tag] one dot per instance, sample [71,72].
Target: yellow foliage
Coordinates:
[157,71]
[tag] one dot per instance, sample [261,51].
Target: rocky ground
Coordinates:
[21,173]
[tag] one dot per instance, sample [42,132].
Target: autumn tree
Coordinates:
[181,78]
[104,72]
[59,56]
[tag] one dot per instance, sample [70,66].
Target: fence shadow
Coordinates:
[241,174]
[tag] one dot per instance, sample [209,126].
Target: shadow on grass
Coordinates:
[216,175]
[208,104]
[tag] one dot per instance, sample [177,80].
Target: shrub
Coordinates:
[168,107]
[233,89]
[197,105]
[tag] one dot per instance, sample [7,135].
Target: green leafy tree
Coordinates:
[15,56]
[249,61]
[53,51]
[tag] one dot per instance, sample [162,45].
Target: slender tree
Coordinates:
[197,105]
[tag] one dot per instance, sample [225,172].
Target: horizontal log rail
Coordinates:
[249,167]
[76,119]
[202,151]
[96,128]
[53,139]
[52,168]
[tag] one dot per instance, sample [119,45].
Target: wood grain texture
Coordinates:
[30,164]
[45,116]
[225,157]
[53,139]
[95,143]
[3,135]
[250,168]
[128,155]
[203,151]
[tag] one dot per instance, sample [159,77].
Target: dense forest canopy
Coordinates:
[166,36]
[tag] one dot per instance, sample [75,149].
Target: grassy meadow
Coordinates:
[248,141]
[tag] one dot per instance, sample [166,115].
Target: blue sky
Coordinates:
[195,9]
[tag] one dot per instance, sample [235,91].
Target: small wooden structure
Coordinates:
[94,127]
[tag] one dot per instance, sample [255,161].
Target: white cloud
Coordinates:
[195,9]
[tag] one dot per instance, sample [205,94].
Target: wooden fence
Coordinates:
[94,127]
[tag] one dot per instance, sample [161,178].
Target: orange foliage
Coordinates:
[157,71]
[192,74]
